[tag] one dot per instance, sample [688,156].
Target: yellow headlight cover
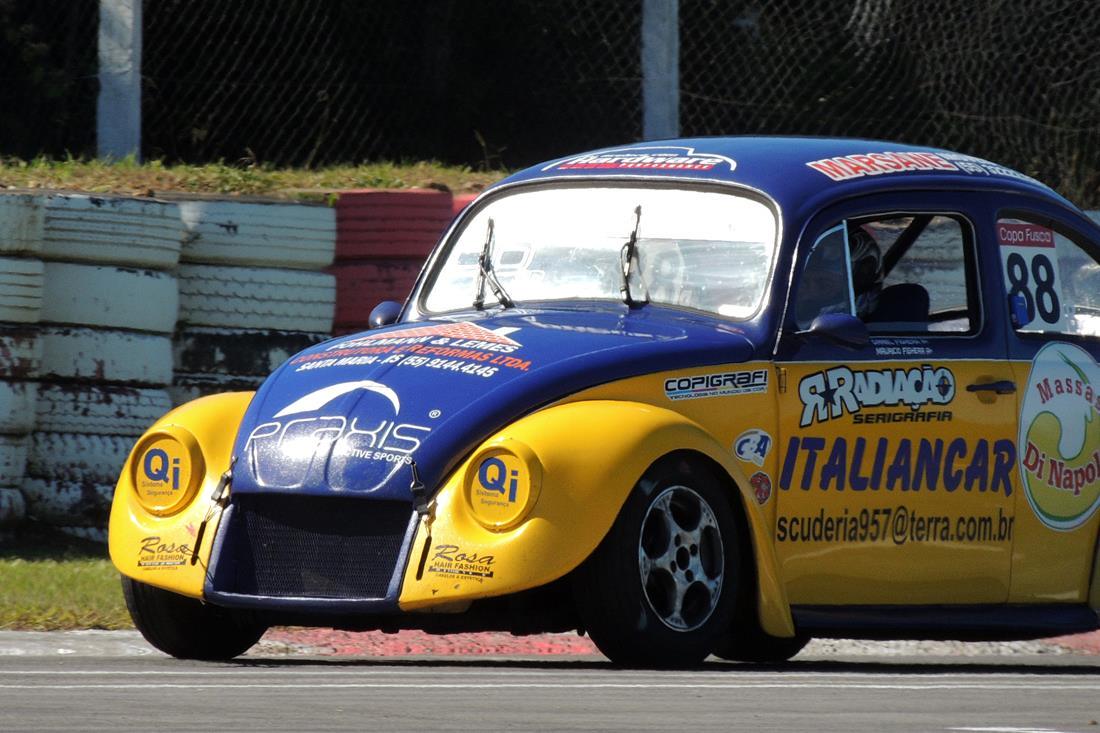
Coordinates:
[502,484]
[167,470]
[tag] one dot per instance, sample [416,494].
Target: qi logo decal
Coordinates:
[495,477]
[160,468]
[162,473]
[502,484]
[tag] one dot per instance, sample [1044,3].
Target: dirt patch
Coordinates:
[1082,643]
[417,643]
[327,642]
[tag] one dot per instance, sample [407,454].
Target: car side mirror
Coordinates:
[842,329]
[385,313]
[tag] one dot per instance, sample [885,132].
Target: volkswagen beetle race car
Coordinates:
[689,397]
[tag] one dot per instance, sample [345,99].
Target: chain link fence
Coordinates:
[307,82]
[510,82]
[1014,81]
[48,77]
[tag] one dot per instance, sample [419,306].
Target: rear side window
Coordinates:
[1052,280]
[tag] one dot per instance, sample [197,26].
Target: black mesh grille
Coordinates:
[311,547]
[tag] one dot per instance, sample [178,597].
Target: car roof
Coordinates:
[798,173]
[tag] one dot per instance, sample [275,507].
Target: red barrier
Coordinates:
[388,223]
[462,200]
[382,240]
[362,285]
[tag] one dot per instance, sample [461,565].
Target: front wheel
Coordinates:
[186,627]
[661,588]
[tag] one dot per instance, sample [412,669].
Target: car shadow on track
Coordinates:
[1066,666]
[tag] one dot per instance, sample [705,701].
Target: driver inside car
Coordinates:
[824,283]
[867,270]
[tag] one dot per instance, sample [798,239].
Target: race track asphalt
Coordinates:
[113,682]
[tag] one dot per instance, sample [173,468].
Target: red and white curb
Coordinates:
[414,644]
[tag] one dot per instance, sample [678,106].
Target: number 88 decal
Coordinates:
[1045,297]
[1031,270]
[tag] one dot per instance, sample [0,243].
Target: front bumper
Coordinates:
[307,553]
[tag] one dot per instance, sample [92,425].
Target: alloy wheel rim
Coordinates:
[681,559]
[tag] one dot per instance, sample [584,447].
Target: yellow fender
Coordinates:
[575,464]
[165,494]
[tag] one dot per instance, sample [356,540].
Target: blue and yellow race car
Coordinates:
[692,397]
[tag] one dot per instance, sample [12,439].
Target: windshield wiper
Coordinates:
[627,256]
[486,273]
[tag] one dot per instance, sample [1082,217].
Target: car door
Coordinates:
[1050,279]
[896,479]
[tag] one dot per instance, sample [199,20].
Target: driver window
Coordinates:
[899,274]
[925,283]
[912,274]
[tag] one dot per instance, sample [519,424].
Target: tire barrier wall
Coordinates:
[211,360]
[252,292]
[22,281]
[110,301]
[114,309]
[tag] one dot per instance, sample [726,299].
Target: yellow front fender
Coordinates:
[587,457]
[155,521]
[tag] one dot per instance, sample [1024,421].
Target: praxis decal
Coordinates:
[312,426]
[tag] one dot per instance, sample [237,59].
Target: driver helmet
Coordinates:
[867,270]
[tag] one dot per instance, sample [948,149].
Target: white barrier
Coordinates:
[90,297]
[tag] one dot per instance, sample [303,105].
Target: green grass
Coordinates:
[250,179]
[49,583]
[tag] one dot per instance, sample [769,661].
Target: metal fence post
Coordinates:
[660,68]
[118,108]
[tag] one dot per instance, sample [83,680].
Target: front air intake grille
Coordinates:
[311,547]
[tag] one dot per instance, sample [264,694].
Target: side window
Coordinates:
[824,286]
[911,274]
[1052,281]
[926,287]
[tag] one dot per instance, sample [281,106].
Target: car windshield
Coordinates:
[699,249]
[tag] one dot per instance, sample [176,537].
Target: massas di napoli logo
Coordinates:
[1060,436]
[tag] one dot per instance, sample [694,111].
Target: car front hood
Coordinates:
[344,416]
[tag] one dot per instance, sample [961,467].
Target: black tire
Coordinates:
[747,643]
[661,589]
[186,627]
